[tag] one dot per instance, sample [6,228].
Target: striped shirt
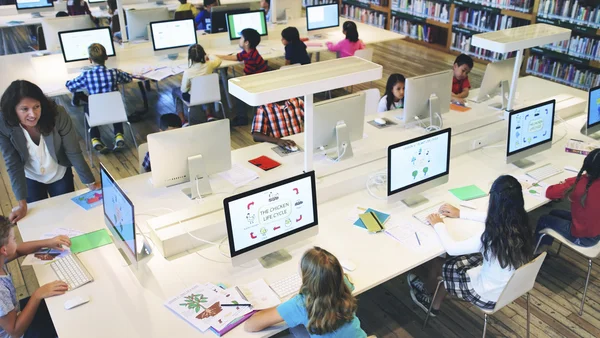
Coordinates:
[253,62]
[98,80]
[279,120]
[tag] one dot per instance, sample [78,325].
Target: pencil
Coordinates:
[418,240]
[236,304]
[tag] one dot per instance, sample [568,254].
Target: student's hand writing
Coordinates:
[18,212]
[434,219]
[58,241]
[51,289]
[285,143]
[449,211]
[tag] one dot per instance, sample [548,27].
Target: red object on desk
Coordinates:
[303,39]
[265,163]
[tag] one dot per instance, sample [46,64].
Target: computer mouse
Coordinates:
[74,302]
[291,148]
[380,121]
[347,264]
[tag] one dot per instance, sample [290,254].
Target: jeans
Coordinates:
[95,131]
[37,191]
[41,326]
[242,110]
[560,221]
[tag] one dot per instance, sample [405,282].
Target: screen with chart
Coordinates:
[173,34]
[529,127]
[26,4]
[74,44]
[236,23]
[418,160]
[263,215]
[322,16]
[594,107]
[118,209]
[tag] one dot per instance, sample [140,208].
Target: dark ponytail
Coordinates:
[196,54]
[351,31]
[591,166]
[389,86]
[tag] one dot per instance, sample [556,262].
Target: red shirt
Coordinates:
[459,85]
[585,219]
[253,62]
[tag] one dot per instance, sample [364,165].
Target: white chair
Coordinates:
[366,54]
[142,150]
[106,108]
[371,101]
[519,284]
[205,89]
[589,253]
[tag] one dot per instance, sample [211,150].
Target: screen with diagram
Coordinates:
[322,16]
[173,34]
[530,127]
[75,44]
[25,4]
[594,107]
[272,212]
[418,161]
[236,23]
[118,210]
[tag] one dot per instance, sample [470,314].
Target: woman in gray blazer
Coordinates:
[39,144]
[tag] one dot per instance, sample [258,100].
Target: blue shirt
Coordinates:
[296,53]
[201,20]
[8,299]
[98,80]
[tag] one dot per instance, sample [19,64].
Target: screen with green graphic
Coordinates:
[236,23]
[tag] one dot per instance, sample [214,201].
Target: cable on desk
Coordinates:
[379,179]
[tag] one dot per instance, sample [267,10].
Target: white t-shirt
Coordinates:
[383,105]
[40,165]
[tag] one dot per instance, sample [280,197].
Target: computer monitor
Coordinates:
[338,122]
[97,3]
[497,78]
[427,97]
[240,21]
[173,36]
[529,132]
[218,16]
[191,152]
[119,216]
[138,21]
[52,26]
[74,44]
[592,124]
[284,10]
[322,16]
[417,165]
[35,7]
[264,220]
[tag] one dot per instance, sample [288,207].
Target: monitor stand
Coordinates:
[415,200]
[36,15]
[594,136]
[504,88]
[143,248]
[343,144]
[434,109]
[523,163]
[198,178]
[275,258]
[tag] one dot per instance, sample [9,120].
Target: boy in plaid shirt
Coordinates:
[276,120]
[99,80]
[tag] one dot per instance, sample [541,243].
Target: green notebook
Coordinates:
[90,241]
[468,192]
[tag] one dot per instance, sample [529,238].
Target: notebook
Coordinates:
[265,163]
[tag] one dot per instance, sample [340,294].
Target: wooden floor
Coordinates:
[387,310]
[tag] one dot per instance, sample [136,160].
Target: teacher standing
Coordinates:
[39,144]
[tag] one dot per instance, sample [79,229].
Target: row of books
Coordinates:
[575,11]
[416,31]
[317,2]
[370,17]
[579,46]
[515,5]
[425,9]
[485,21]
[383,3]
[461,42]
[563,72]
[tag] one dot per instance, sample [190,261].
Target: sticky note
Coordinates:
[468,192]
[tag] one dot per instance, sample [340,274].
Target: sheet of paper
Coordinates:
[532,187]
[414,237]
[44,256]
[159,74]
[89,200]
[62,231]
[238,175]
[260,294]
[227,314]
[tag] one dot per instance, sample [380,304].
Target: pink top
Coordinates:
[346,47]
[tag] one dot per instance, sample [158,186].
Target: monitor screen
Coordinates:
[173,34]
[418,160]
[238,22]
[272,212]
[27,4]
[74,44]
[118,209]
[594,107]
[322,16]
[529,127]
[96,1]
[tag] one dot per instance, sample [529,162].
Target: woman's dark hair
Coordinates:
[77,4]
[389,86]
[591,166]
[112,4]
[17,91]
[351,31]
[196,54]
[507,236]
[291,34]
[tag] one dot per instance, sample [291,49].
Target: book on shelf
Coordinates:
[579,46]
[461,42]
[317,2]
[417,31]
[563,72]
[485,21]
[424,8]
[574,11]
[370,17]
[516,5]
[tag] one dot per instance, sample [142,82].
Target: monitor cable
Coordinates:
[377,180]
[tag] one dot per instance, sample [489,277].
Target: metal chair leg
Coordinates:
[222,109]
[587,280]
[437,288]
[88,139]
[538,243]
[132,135]
[485,318]
[528,319]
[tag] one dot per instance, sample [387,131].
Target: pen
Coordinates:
[241,293]
[236,304]
[418,240]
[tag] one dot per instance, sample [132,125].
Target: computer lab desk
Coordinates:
[129,303]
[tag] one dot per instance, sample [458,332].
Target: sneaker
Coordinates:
[415,283]
[210,118]
[99,146]
[423,300]
[119,141]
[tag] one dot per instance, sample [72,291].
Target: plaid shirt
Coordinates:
[146,163]
[98,80]
[279,120]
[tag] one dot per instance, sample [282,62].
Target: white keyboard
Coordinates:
[422,215]
[544,172]
[70,270]
[287,286]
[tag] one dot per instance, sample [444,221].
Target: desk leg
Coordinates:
[515,78]
[144,97]
[317,56]
[308,132]
[223,74]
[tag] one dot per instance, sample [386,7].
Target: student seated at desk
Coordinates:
[99,80]
[394,94]
[204,14]
[483,263]
[266,6]
[276,120]
[460,82]
[167,122]
[80,7]
[324,306]
[295,49]
[115,25]
[187,7]
[350,44]
[580,225]
[30,316]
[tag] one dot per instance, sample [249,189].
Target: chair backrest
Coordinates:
[184,15]
[372,97]
[290,66]
[205,89]
[521,282]
[106,108]
[366,54]
[142,150]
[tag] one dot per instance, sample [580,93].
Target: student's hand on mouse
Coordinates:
[449,211]
[18,212]
[458,100]
[51,289]
[94,186]
[434,219]
[285,143]
[58,242]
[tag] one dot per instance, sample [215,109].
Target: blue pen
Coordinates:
[419,241]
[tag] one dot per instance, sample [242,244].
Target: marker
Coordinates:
[419,241]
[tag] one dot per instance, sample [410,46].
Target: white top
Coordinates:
[383,105]
[41,166]
[198,69]
[489,279]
